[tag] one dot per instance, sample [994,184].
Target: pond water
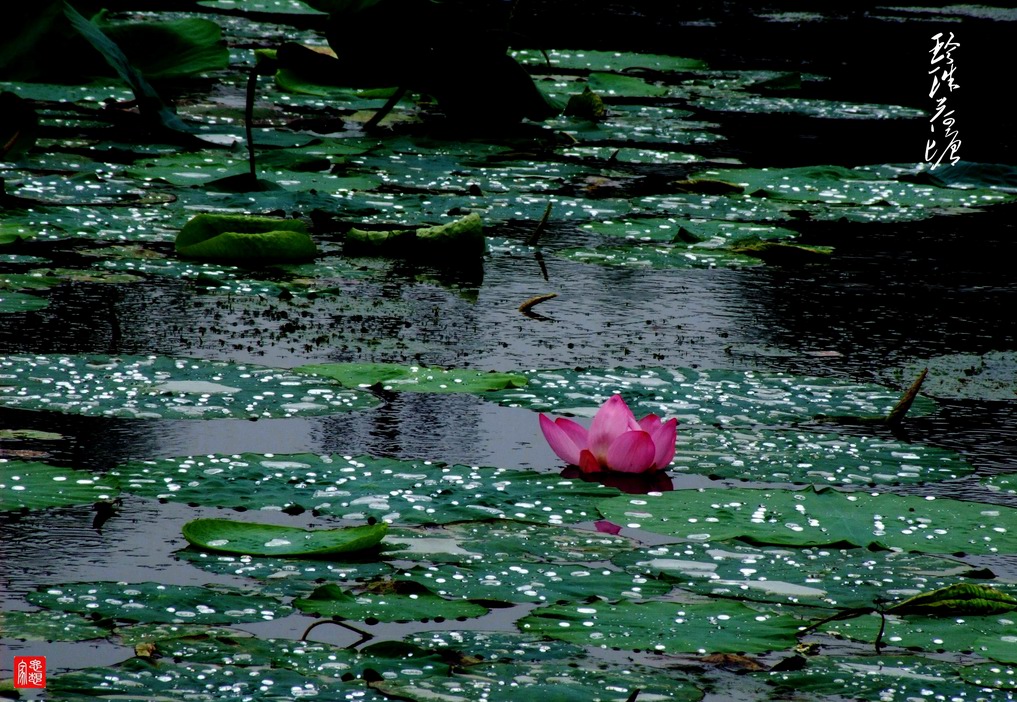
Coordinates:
[898,289]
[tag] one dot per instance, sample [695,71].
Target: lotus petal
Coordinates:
[632,452]
[561,440]
[612,420]
[588,463]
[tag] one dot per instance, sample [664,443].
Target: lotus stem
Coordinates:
[527,307]
[364,635]
[541,226]
[252,87]
[896,415]
[385,109]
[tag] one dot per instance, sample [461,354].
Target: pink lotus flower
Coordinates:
[615,440]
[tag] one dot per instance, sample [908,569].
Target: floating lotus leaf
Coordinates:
[825,517]
[991,675]
[25,485]
[1005,483]
[356,488]
[462,239]
[132,634]
[281,7]
[869,193]
[807,457]
[496,646]
[531,582]
[305,657]
[386,601]
[580,59]
[146,387]
[876,677]
[991,376]
[990,636]
[729,398]
[287,577]
[274,540]
[155,602]
[665,627]
[829,577]
[395,377]
[503,542]
[20,302]
[549,681]
[50,626]
[243,239]
[164,679]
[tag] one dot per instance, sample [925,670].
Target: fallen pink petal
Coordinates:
[615,441]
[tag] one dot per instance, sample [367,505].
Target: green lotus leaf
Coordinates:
[825,577]
[25,485]
[170,49]
[585,59]
[395,377]
[824,517]
[20,302]
[274,540]
[158,603]
[765,455]
[548,681]
[524,582]
[357,488]
[507,541]
[166,680]
[132,634]
[289,577]
[146,387]
[729,398]
[958,600]
[50,626]
[243,239]
[989,636]
[462,239]
[666,627]
[902,676]
[386,601]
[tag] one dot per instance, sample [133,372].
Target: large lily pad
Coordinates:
[158,386]
[507,541]
[288,577]
[549,681]
[20,302]
[729,398]
[25,485]
[808,457]
[50,626]
[395,377]
[883,677]
[990,636]
[671,627]
[828,577]
[190,682]
[274,540]
[530,582]
[356,488]
[155,602]
[821,518]
[386,601]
